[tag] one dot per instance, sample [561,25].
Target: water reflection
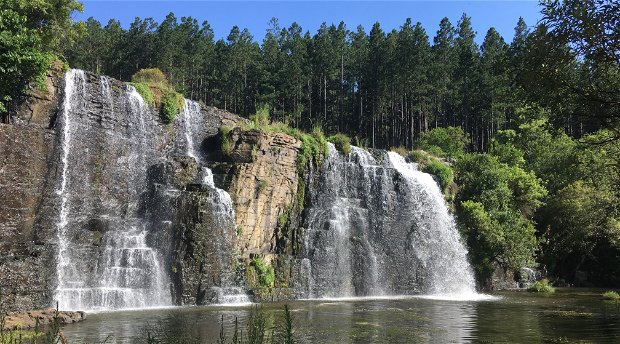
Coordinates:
[516,317]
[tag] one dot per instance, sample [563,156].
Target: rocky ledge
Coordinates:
[44,317]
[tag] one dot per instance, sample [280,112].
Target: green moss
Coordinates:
[262,185]
[239,230]
[542,286]
[611,295]
[283,219]
[342,143]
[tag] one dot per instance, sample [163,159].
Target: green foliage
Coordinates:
[441,170]
[265,273]
[419,156]
[150,76]
[400,150]
[261,118]
[145,91]
[449,142]
[342,143]
[154,88]
[542,286]
[611,295]
[30,37]
[171,105]
[496,202]
[226,144]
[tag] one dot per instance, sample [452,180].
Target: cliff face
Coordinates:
[81,184]
[260,175]
[26,148]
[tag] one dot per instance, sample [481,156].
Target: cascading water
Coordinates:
[228,293]
[128,273]
[376,226]
[437,243]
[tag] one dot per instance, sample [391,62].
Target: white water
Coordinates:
[193,120]
[129,273]
[379,228]
[437,242]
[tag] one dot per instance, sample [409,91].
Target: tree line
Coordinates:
[381,88]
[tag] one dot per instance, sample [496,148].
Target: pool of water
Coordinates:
[568,316]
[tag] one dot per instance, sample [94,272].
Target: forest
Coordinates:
[531,127]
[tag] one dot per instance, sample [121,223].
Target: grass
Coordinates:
[154,88]
[542,286]
[342,143]
[313,147]
[612,295]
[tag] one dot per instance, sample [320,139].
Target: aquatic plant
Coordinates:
[611,295]
[542,286]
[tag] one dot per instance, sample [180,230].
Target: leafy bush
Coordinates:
[542,286]
[419,156]
[154,88]
[152,76]
[266,274]
[261,118]
[342,143]
[450,141]
[611,295]
[145,91]
[442,171]
[171,105]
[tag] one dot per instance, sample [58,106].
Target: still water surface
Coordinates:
[568,316]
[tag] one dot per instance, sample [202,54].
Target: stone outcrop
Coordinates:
[26,148]
[260,174]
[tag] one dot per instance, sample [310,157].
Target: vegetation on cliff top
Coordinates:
[32,33]
[154,88]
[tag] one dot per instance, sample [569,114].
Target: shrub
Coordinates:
[443,172]
[418,156]
[612,295]
[542,286]
[450,141]
[342,143]
[261,118]
[154,88]
[171,105]
[150,76]
[266,274]
[145,91]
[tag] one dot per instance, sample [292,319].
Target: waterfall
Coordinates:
[114,268]
[437,243]
[221,201]
[377,226]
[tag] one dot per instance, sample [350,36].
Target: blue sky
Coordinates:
[255,15]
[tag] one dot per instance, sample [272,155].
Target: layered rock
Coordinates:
[115,140]
[260,174]
[26,149]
